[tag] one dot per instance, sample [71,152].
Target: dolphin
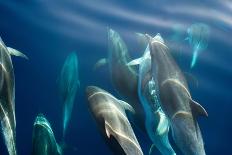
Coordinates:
[68,85]
[7,96]
[198,37]
[43,141]
[156,122]
[110,115]
[176,101]
[124,78]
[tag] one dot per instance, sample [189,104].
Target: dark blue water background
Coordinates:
[47,31]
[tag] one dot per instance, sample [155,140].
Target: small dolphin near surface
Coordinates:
[44,141]
[176,100]
[124,78]
[198,37]
[157,125]
[68,85]
[7,96]
[110,115]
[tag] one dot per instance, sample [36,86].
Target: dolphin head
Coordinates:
[44,142]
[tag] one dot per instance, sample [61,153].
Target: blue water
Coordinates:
[47,31]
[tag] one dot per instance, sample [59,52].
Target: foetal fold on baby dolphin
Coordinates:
[7,96]
[44,142]
[157,125]
[123,77]
[176,101]
[110,116]
[68,85]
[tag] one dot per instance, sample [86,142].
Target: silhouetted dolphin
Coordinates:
[176,100]
[68,85]
[110,115]
[198,36]
[156,122]
[7,96]
[124,78]
[44,141]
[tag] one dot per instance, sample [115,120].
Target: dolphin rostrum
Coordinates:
[123,77]
[156,123]
[44,142]
[176,100]
[109,114]
[7,96]
[68,85]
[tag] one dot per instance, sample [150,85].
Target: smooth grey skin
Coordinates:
[43,141]
[110,116]
[176,100]
[68,85]
[124,78]
[7,96]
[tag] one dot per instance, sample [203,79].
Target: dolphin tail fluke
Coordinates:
[100,63]
[16,53]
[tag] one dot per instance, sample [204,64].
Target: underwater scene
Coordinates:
[115,77]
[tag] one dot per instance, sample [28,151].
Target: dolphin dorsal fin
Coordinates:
[126,106]
[135,62]
[100,63]
[197,109]
[16,53]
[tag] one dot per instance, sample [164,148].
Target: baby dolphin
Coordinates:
[68,85]
[7,96]
[44,142]
[156,123]
[124,77]
[176,100]
[110,115]
[198,36]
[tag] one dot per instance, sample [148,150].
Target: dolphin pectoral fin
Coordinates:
[151,149]
[163,126]
[126,106]
[100,63]
[135,62]
[197,109]
[108,129]
[16,53]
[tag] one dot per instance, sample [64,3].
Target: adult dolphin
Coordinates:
[68,85]
[124,77]
[43,140]
[7,96]
[156,122]
[176,100]
[110,115]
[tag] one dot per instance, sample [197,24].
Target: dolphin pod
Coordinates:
[176,101]
[43,141]
[7,96]
[156,122]
[68,85]
[124,77]
[110,115]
